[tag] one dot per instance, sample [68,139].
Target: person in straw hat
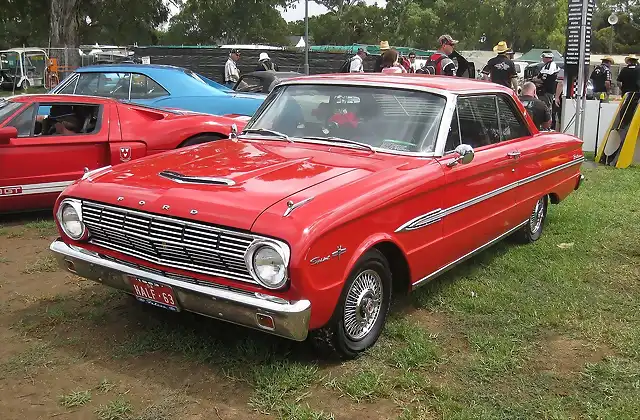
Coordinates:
[601,78]
[500,69]
[384,46]
[629,77]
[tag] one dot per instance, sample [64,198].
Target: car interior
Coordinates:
[87,117]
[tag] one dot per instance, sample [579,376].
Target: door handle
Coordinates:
[513,155]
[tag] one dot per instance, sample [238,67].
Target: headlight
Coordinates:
[70,219]
[267,261]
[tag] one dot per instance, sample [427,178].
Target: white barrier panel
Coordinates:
[607,114]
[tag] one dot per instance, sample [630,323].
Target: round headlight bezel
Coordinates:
[279,247]
[76,205]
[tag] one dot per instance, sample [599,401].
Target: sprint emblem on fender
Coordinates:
[339,251]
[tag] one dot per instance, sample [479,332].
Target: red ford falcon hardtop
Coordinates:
[341,190]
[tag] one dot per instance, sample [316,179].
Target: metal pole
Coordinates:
[306,37]
[581,71]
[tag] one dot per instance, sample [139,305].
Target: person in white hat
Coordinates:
[265,63]
[629,77]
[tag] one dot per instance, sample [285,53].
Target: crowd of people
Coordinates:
[542,96]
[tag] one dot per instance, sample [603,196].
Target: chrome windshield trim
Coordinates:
[185,179]
[437,215]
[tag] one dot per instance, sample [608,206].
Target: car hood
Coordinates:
[226,183]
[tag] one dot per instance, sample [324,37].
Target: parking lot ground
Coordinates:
[543,330]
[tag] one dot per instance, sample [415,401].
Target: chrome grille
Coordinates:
[169,242]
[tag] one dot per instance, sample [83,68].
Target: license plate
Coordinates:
[154,294]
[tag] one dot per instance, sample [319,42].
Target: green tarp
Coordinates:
[533,56]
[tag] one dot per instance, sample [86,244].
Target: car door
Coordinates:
[478,203]
[39,163]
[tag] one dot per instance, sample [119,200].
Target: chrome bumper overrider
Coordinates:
[580,181]
[290,319]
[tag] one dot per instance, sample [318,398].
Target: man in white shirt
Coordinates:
[231,72]
[357,61]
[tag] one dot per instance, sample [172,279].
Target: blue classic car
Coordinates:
[159,86]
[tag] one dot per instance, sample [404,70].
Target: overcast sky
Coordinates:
[297,11]
[314,9]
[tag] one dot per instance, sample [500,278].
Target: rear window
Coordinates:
[7,108]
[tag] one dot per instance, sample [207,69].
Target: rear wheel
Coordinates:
[532,230]
[361,312]
[199,139]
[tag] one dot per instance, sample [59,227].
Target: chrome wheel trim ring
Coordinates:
[363,305]
[537,216]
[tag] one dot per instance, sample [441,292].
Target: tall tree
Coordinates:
[63,27]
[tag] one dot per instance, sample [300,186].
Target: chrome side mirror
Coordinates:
[465,155]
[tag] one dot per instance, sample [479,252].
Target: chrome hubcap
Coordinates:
[535,221]
[363,304]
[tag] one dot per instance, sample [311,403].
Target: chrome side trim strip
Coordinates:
[452,264]
[421,221]
[433,216]
[291,206]
[29,189]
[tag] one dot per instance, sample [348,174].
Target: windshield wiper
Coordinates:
[341,140]
[267,131]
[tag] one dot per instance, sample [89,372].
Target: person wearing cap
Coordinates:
[444,65]
[629,77]
[384,46]
[231,72]
[265,63]
[601,78]
[547,79]
[64,120]
[357,61]
[500,69]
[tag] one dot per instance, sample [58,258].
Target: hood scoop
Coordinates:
[185,179]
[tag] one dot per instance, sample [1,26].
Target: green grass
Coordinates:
[45,227]
[525,332]
[28,361]
[118,409]
[105,386]
[75,399]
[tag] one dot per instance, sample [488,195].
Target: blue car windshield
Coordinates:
[207,81]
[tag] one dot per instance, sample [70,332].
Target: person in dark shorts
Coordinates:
[629,77]
[539,111]
[501,69]
[601,77]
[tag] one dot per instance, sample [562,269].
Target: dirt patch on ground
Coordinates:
[563,356]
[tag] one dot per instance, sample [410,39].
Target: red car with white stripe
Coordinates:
[36,164]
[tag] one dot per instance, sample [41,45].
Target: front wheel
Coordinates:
[25,85]
[362,309]
[532,230]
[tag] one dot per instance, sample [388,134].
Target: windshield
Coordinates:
[385,118]
[7,108]
[8,61]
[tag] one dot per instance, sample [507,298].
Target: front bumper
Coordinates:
[290,319]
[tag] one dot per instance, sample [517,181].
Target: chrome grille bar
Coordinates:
[169,242]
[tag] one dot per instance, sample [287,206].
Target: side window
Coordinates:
[143,87]
[24,122]
[250,84]
[512,124]
[453,139]
[478,118]
[61,119]
[70,88]
[111,85]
